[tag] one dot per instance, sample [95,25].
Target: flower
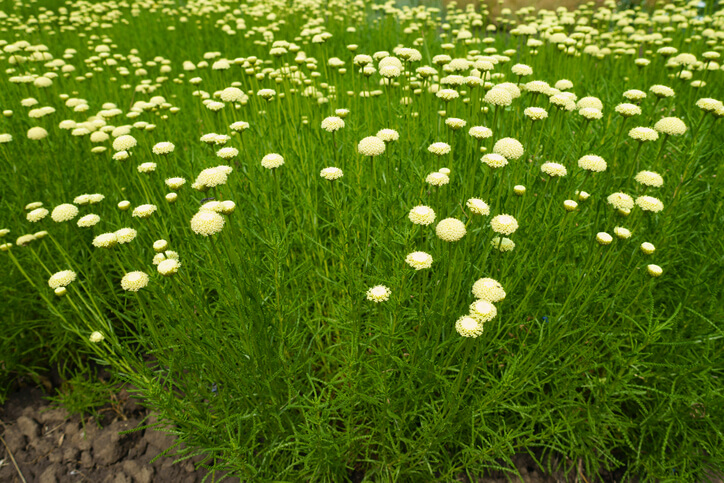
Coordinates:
[467,326]
[105,240]
[125,235]
[483,311]
[168,267]
[480,132]
[227,153]
[371,146]
[621,201]
[239,126]
[124,205]
[144,211]
[634,95]
[661,91]
[88,220]
[622,233]
[509,147]
[488,289]
[590,113]
[708,104]
[146,167]
[160,245]
[124,143]
[648,248]
[673,126]
[570,205]
[272,161]
[210,177]
[649,178]
[521,70]
[535,113]
[422,215]
[454,123]
[504,224]
[175,183]
[331,173]
[498,96]
[120,156]
[478,206]
[332,124]
[207,223]
[591,162]
[649,203]
[134,281]
[494,160]
[643,134]
[593,102]
[96,337]
[62,279]
[419,260]
[378,293]
[388,135]
[440,149]
[25,240]
[654,270]
[447,95]
[163,148]
[37,215]
[553,169]
[437,179]
[450,229]
[519,189]
[37,133]
[64,212]
[603,238]
[628,110]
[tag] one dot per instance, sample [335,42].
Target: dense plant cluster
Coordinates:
[337,239]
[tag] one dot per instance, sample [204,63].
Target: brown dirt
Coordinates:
[50,446]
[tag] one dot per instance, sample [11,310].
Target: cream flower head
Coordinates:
[488,289]
[272,161]
[134,281]
[62,279]
[483,311]
[206,223]
[331,173]
[478,206]
[504,224]
[439,148]
[467,326]
[419,260]
[371,146]
[378,293]
[422,215]
[450,230]
[553,169]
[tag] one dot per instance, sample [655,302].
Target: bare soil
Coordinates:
[43,443]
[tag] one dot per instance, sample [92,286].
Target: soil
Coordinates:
[42,443]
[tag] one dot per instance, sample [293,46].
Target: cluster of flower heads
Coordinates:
[487,292]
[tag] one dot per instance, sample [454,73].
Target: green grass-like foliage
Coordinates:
[264,349]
